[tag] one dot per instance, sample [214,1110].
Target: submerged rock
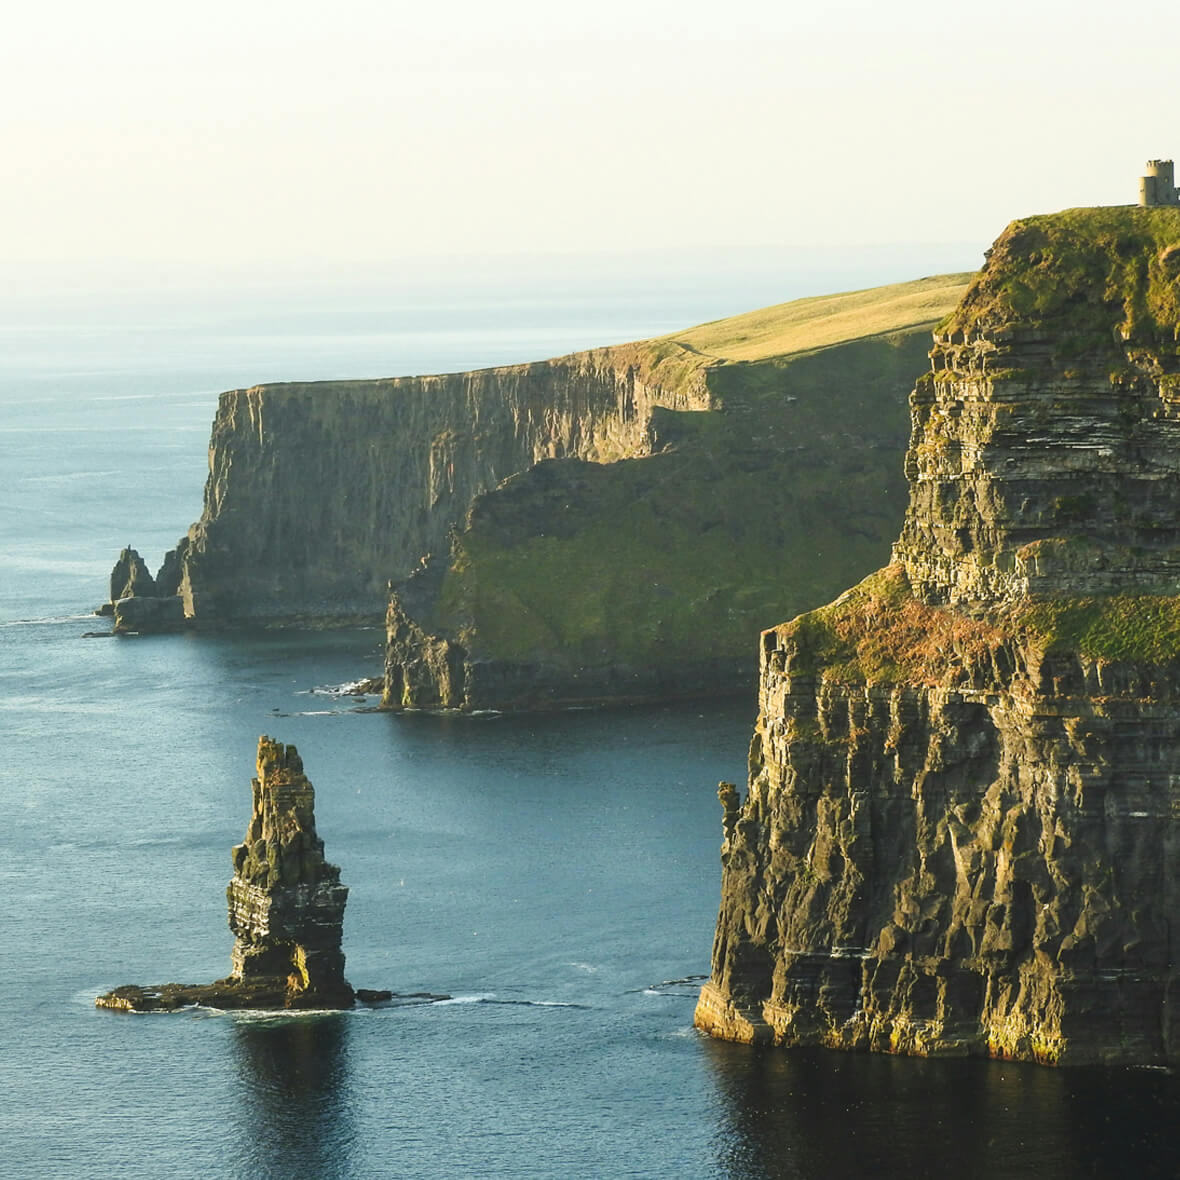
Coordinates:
[286,909]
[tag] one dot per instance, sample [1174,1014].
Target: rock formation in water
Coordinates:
[140,603]
[131,576]
[961,829]
[578,582]
[286,909]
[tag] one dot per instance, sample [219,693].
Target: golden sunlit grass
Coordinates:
[807,324]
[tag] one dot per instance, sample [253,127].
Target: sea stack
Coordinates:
[286,908]
[962,828]
[141,604]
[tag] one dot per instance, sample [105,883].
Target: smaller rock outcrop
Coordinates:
[131,577]
[141,604]
[286,909]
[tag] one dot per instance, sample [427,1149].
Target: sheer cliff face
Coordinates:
[319,493]
[961,830]
[1045,455]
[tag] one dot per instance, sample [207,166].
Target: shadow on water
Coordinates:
[295,1114]
[810,1113]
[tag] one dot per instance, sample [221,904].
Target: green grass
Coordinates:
[669,557]
[1082,270]
[680,359]
[750,516]
[807,324]
[879,633]
[1141,628]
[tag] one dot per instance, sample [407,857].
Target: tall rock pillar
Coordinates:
[286,902]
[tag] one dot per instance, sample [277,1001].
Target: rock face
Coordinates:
[1045,451]
[131,576]
[286,908]
[143,616]
[962,828]
[318,494]
[579,583]
[286,903]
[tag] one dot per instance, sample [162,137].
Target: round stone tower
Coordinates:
[1158,187]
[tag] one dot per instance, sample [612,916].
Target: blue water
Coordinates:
[556,876]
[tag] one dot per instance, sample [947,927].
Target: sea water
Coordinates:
[556,877]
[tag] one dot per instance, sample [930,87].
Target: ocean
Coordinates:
[555,876]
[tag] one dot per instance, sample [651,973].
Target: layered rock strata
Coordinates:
[286,909]
[961,832]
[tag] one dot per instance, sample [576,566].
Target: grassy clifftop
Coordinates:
[1079,266]
[794,328]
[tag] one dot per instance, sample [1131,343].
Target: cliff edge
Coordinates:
[960,834]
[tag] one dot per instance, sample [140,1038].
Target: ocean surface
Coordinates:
[556,877]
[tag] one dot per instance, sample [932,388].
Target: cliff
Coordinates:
[578,582]
[960,832]
[318,494]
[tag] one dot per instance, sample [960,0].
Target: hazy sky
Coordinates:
[334,133]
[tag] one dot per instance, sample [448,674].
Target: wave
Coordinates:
[49,620]
[686,985]
[351,688]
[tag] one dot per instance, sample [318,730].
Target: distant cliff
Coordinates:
[961,828]
[577,582]
[607,526]
[320,493]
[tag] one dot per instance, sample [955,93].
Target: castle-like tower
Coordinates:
[1158,187]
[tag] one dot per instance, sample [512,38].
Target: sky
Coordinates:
[148,134]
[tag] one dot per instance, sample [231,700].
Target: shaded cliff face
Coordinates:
[961,829]
[647,578]
[319,493]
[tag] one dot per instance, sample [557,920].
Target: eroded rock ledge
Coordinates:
[286,909]
[961,829]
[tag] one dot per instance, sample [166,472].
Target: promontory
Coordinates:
[961,833]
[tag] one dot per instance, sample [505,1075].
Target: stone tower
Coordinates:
[1158,187]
